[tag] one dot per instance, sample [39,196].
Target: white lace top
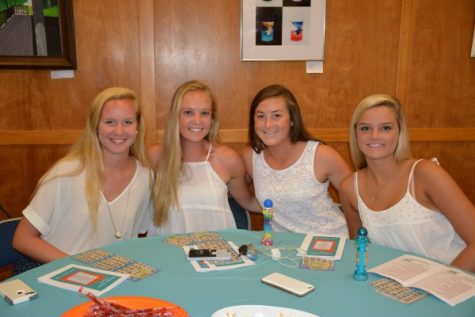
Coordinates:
[300,202]
[411,227]
[203,202]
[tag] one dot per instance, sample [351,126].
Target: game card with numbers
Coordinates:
[393,289]
[312,263]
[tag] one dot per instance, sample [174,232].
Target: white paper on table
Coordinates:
[316,243]
[84,279]
[449,284]
[207,266]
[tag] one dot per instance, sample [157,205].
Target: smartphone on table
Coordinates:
[288,284]
[16,291]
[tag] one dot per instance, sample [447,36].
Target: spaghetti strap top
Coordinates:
[410,226]
[209,152]
[203,201]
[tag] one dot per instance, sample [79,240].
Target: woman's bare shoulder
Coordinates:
[346,185]
[223,152]
[325,151]
[429,171]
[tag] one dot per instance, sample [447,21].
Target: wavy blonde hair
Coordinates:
[87,149]
[165,190]
[403,149]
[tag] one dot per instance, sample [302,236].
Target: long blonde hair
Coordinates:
[403,149]
[87,149]
[165,190]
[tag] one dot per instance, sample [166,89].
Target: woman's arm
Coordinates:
[246,156]
[230,166]
[239,188]
[27,240]
[350,206]
[436,189]
[330,165]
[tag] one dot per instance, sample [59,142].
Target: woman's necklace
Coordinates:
[376,195]
[118,233]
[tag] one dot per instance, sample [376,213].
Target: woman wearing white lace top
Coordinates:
[406,204]
[195,172]
[290,168]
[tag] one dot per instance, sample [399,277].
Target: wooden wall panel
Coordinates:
[436,76]
[415,49]
[202,40]
[21,168]
[360,59]
[456,158]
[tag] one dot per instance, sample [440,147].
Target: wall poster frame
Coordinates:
[282,30]
[37,34]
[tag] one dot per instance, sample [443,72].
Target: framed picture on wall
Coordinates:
[282,29]
[37,34]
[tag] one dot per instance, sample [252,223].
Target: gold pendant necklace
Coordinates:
[118,234]
[375,196]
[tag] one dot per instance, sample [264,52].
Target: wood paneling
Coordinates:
[147,66]
[436,76]
[456,158]
[5,272]
[414,49]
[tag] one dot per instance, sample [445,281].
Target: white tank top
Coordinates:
[203,202]
[300,202]
[411,227]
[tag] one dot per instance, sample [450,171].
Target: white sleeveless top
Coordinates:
[203,202]
[411,227]
[300,202]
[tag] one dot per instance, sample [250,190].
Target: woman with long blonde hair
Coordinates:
[99,192]
[194,173]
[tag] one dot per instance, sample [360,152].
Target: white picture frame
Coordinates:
[278,30]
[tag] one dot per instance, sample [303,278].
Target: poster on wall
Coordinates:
[282,30]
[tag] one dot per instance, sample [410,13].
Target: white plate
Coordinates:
[260,311]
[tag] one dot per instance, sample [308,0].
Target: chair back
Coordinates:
[8,254]
[241,215]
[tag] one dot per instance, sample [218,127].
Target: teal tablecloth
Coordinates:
[200,294]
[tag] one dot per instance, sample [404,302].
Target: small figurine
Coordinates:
[248,250]
[361,255]
[267,213]
[297,33]
[267,34]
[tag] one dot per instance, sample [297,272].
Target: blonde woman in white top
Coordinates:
[99,192]
[194,172]
[406,204]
